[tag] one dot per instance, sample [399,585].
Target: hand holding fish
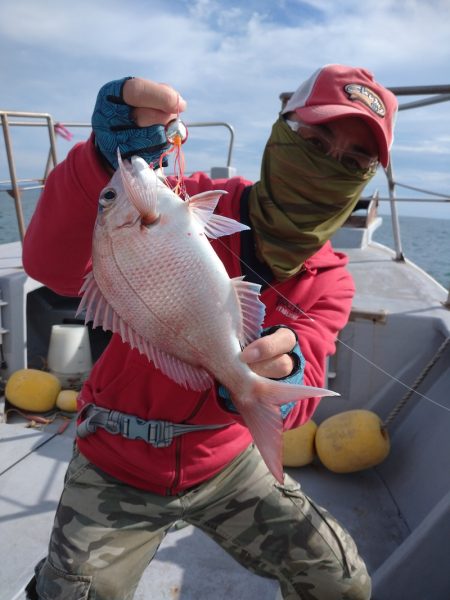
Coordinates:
[130,115]
[269,356]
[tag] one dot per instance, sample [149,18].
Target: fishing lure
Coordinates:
[176,134]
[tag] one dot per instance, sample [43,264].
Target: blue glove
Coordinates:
[295,377]
[114,127]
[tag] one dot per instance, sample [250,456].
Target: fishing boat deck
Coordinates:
[393,286]
[189,565]
[10,258]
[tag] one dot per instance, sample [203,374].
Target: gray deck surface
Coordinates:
[33,465]
[383,283]
[188,564]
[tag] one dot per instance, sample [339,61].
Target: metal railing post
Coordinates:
[399,256]
[13,176]
[219,124]
[52,152]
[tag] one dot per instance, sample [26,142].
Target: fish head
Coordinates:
[114,208]
[131,196]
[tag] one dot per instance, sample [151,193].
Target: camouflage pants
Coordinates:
[106,533]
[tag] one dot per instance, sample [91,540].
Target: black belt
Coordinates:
[159,434]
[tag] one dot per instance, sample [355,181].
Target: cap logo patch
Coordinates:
[365,95]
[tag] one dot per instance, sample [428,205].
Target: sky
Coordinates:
[230,60]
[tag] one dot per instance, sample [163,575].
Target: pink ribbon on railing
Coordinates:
[63,132]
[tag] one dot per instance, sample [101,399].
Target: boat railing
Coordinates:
[16,185]
[434,94]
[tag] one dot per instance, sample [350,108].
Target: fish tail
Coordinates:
[259,406]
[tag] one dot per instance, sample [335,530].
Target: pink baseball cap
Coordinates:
[336,91]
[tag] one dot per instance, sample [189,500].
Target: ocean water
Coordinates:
[425,241]
[9,230]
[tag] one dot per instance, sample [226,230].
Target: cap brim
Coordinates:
[315,115]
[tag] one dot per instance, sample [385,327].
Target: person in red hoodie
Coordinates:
[148,452]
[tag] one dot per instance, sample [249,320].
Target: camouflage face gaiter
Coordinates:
[303,197]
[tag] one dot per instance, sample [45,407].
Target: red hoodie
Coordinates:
[57,252]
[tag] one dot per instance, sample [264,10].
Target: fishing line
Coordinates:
[365,358]
[405,385]
[295,307]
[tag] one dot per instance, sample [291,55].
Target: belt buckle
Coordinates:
[135,429]
[112,424]
[157,433]
[160,434]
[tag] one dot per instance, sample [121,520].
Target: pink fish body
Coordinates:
[158,283]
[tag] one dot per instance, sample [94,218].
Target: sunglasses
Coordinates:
[323,143]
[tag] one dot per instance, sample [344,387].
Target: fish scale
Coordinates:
[163,298]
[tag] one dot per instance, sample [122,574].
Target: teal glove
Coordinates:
[114,127]
[295,377]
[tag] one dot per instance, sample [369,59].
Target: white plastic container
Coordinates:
[69,355]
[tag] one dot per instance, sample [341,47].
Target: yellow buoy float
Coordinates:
[298,445]
[33,390]
[352,441]
[67,400]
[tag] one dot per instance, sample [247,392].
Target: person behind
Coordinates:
[121,493]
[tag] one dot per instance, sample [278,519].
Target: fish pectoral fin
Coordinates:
[203,206]
[218,226]
[140,184]
[252,309]
[205,202]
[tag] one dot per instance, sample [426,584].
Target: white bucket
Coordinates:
[69,354]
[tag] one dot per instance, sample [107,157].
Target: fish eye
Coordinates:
[107,197]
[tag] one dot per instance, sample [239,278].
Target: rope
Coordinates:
[417,382]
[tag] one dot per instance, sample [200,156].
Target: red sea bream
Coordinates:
[158,283]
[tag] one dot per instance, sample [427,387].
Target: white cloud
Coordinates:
[440,145]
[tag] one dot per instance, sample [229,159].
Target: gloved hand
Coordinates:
[274,367]
[130,114]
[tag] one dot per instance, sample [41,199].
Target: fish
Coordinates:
[157,282]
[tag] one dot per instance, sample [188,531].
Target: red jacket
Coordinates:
[57,252]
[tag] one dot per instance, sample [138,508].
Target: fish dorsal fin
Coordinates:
[101,313]
[203,206]
[140,185]
[252,309]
